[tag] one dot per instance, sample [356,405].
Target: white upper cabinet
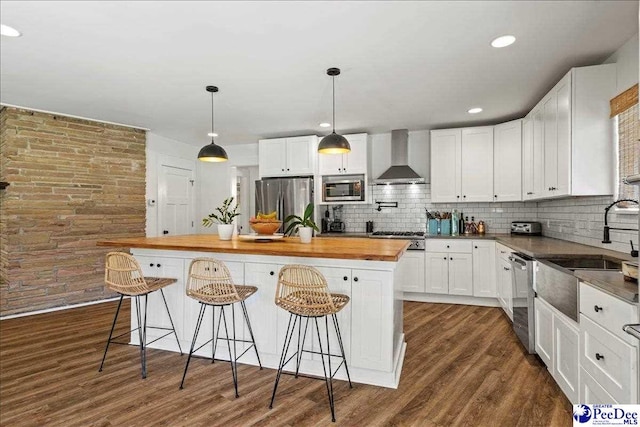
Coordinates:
[354,162]
[462,165]
[507,161]
[287,156]
[445,165]
[572,135]
[477,164]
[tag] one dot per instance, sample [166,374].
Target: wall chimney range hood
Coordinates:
[399,172]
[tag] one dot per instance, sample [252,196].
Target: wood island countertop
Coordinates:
[327,247]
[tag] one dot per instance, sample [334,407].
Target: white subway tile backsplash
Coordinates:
[578,219]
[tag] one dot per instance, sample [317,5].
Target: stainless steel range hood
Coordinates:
[399,172]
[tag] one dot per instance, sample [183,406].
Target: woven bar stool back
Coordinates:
[122,274]
[303,290]
[211,282]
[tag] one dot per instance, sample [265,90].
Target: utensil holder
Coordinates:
[433,226]
[445,227]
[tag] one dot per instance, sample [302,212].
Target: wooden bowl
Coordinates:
[265,227]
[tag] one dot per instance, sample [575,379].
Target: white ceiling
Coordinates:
[415,65]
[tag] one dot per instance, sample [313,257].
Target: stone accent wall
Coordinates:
[72,182]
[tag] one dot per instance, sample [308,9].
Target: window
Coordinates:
[627,126]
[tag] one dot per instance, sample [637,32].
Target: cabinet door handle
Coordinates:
[450,259]
[158,265]
[271,273]
[506,268]
[355,279]
[282,170]
[345,278]
[447,246]
[597,309]
[165,231]
[151,265]
[464,197]
[457,197]
[445,258]
[475,247]
[599,356]
[287,169]
[495,195]
[529,193]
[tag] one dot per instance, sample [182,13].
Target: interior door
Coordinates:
[175,200]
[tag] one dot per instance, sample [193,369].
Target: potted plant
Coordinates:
[224,217]
[304,226]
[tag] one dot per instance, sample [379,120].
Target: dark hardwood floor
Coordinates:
[463,367]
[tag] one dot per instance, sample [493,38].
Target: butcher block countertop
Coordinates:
[339,248]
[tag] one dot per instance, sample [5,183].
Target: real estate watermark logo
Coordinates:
[606,415]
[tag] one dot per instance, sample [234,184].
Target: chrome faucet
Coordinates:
[606,237]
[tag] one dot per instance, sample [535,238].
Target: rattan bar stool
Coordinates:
[210,283]
[123,275]
[303,292]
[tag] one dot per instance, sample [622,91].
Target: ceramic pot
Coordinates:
[225,231]
[305,234]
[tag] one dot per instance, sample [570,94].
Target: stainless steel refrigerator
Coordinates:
[286,196]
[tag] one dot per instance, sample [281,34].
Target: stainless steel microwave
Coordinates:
[343,188]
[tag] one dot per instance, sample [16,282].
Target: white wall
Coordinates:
[216,180]
[626,58]
[158,146]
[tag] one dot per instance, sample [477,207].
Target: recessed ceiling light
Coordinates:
[212,134]
[325,125]
[503,41]
[8,31]
[475,110]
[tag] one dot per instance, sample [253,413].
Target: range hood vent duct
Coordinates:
[399,172]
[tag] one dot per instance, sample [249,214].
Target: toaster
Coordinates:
[531,228]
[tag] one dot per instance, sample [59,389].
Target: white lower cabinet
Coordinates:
[484,277]
[449,267]
[610,361]
[566,369]
[544,332]
[339,281]
[267,319]
[591,392]
[504,279]
[413,275]
[558,345]
[608,356]
[371,311]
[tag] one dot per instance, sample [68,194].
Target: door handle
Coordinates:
[599,356]
[165,231]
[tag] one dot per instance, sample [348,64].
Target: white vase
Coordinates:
[305,234]
[225,231]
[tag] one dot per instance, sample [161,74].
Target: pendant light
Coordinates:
[334,143]
[212,152]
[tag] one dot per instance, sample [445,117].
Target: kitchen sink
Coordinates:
[586,263]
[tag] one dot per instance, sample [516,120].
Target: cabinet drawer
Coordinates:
[593,393]
[610,361]
[606,310]
[445,245]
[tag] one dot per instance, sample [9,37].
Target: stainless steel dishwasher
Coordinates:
[522,271]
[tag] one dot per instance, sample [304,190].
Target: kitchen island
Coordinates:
[370,272]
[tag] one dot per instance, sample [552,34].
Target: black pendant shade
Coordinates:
[212,152]
[334,143]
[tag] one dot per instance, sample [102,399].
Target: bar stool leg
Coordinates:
[301,346]
[336,325]
[144,337]
[283,357]
[113,326]
[215,333]
[226,331]
[171,320]
[327,378]
[193,342]
[253,340]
